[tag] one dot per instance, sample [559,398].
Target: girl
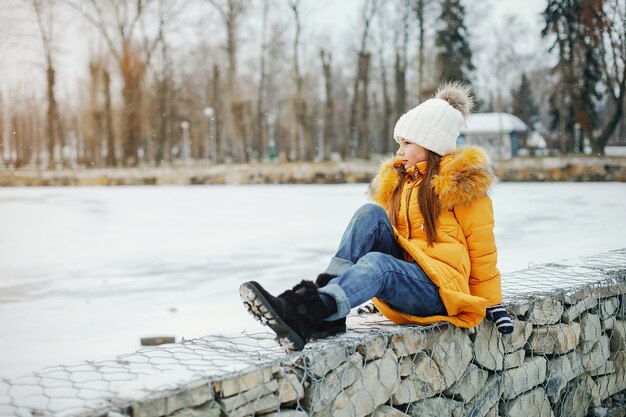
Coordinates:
[424,253]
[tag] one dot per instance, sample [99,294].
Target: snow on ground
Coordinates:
[86,272]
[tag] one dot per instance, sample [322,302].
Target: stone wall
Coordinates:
[566,357]
[583,168]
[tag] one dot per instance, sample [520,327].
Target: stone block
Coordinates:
[192,395]
[388,411]
[320,362]
[608,307]
[236,401]
[532,403]
[374,347]
[406,366]
[207,410]
[524,378]
[409,343]
[621,310]
[426,381]
[514,359]
[519,308]
[590,331]
[578,397]
[378,382]
[322,392]
[153,407]
[571,313]
[486,400]
[560,371]
[452,352]
[436,407]
[544,311]
[245,381]
[599,355]
[493,412]
[608,324]
[488,347]
[619,360]
[470,384]
[519,337]
[289,388]
[618,336]
[261,405]
[287,413]
[607,368]
[609,385]
[554,339]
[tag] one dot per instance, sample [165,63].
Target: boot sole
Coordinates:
[260,308]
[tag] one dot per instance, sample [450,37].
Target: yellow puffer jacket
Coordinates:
[462,261]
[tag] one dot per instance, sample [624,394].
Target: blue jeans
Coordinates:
[369,263]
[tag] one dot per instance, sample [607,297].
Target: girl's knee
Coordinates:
[371,210]
[374,260]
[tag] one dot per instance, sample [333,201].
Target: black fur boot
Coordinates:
[293,315]
[328,328]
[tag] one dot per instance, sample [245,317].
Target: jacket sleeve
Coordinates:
[477,223]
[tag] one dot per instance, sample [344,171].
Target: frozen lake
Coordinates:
[86,272]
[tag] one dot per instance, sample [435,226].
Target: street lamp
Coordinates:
[211,145]
[185,126]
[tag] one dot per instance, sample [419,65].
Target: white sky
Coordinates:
[334,20]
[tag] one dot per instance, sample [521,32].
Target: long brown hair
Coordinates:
[427,200]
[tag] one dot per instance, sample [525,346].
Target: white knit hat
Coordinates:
[435,123]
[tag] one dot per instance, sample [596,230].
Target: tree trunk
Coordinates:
[329,106]
[50,116]
[304,137]
[400,82]
[598,143]
[111,159]
[363,131]
[219,108]
[260,141]
[386,133]
[3,125]
[421,42]
[133,70]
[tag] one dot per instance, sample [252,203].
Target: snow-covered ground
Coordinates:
[86,272]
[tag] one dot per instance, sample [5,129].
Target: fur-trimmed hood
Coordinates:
[464,175]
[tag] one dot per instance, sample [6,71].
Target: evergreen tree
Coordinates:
[560,22]
[524,105]
[588,70]
[578,27]
[454,56]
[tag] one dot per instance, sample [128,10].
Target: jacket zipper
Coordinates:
[408,219]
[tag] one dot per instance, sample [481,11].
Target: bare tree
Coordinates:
[261,134]
[304,136]
[111,158]
[383,46]
[168,16]
[45,12]
[231,13]
[119,22]
[360,106]
[400,67]
[329,133]
[94,130]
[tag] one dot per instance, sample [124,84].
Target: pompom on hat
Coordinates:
[435,124]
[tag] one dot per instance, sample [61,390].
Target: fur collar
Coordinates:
[464,175]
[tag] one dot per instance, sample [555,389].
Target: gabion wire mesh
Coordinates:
[566,357]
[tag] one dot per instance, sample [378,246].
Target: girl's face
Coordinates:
[411,153]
